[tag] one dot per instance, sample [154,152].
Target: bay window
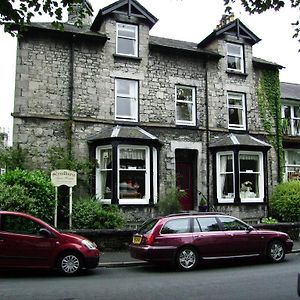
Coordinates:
[240,177]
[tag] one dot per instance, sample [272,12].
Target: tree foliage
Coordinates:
[254,6]
[20,12]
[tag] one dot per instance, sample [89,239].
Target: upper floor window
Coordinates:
[292,164]
[126,99]
[236,111]
[235,57]
[127,39]
[185,105]
[291,120]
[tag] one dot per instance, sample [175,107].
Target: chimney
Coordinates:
[226,19]
[75,11]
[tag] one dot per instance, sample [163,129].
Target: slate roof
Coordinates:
[124,132]
[180,46]
[232,139]
[290,91]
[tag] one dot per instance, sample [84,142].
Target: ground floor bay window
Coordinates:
[127,174]
[240,176]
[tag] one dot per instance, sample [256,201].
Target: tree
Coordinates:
[261,6]
[18,13]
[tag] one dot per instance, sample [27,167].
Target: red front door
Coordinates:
[184,182]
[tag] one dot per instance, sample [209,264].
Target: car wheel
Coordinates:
[187,258]
[69,263]
[276,251]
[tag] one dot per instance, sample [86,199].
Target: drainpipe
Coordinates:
[277,142]
[69,126]
[207,137]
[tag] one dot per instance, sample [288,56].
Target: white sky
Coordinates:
[189,20]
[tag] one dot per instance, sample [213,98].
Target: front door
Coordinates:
[184,182]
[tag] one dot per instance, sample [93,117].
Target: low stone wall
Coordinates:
[118,239]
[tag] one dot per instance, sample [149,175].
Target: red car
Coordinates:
[28,242]
[185,239]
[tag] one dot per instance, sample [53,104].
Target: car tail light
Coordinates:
[150,239]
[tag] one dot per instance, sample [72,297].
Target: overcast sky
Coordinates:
[189,20]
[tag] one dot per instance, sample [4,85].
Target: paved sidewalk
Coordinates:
[123,259]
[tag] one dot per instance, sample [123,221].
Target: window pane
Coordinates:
[232,224]
[297,111]
[184,111]
[208,224]
[287,111]
[185,94]
[124,106]
[105,159]
[234,49]
[126,31]
[293,157]
[227,186]
[234,62]
[126,46]
[176,226]
[106,184]
[19,225]
[249,162]
[235,116]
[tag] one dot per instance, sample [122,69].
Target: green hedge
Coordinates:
[285,202]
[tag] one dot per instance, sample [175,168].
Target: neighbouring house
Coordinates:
[154,112]
[290,98]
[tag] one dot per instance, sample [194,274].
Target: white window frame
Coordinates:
[132,98]
[238,96]
[239,56]
[133,39]
[192,102]
[219,177]
[146,198]
[99,185]
[290,167]
[293,119]
[260,177]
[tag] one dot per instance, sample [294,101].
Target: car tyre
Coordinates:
[69,263]
[276,251]
[187,259]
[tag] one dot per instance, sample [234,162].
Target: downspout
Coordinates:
[69,125]
[207,137]
[279,175]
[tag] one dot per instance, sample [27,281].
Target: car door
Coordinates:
[209,239]
[242,239]
[21,245]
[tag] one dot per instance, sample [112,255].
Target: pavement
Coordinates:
[110,259]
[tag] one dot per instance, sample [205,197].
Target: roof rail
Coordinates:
[192,212]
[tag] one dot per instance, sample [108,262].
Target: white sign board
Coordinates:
[64,177]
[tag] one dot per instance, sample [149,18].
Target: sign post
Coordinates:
[68,178]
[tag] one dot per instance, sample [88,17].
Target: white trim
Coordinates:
[193,103]
[239,56]
[134,39]
[237,96]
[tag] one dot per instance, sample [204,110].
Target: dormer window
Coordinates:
[235,57]
[127,39]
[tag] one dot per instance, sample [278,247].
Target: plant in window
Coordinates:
[246,186]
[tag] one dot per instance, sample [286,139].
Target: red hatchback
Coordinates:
[28,242]
[185,239]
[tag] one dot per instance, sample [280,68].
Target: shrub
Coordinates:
[88,213]
[170,202]
[36,185]
[15,198]
[285,201]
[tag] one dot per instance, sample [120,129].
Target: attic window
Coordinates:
[127,39]
[235,57]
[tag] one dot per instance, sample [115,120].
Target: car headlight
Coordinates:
[89,244]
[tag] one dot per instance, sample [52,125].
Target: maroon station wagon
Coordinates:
[185,239]
[28,242]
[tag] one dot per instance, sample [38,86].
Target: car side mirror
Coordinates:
[250,228]
[45,232]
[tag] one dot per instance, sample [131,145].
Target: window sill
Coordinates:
[120,56]
[232,72]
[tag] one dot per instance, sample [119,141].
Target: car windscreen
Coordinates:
[147,226]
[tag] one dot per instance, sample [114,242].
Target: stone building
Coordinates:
[154,112]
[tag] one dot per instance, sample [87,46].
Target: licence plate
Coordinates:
[137,239]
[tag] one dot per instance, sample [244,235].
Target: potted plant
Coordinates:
[203,204]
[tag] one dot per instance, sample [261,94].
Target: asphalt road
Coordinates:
[235,280]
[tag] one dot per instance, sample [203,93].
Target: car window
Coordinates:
[196,226]
[18,224]
[176,226]
[232,224]
[208,224]
[147,226]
